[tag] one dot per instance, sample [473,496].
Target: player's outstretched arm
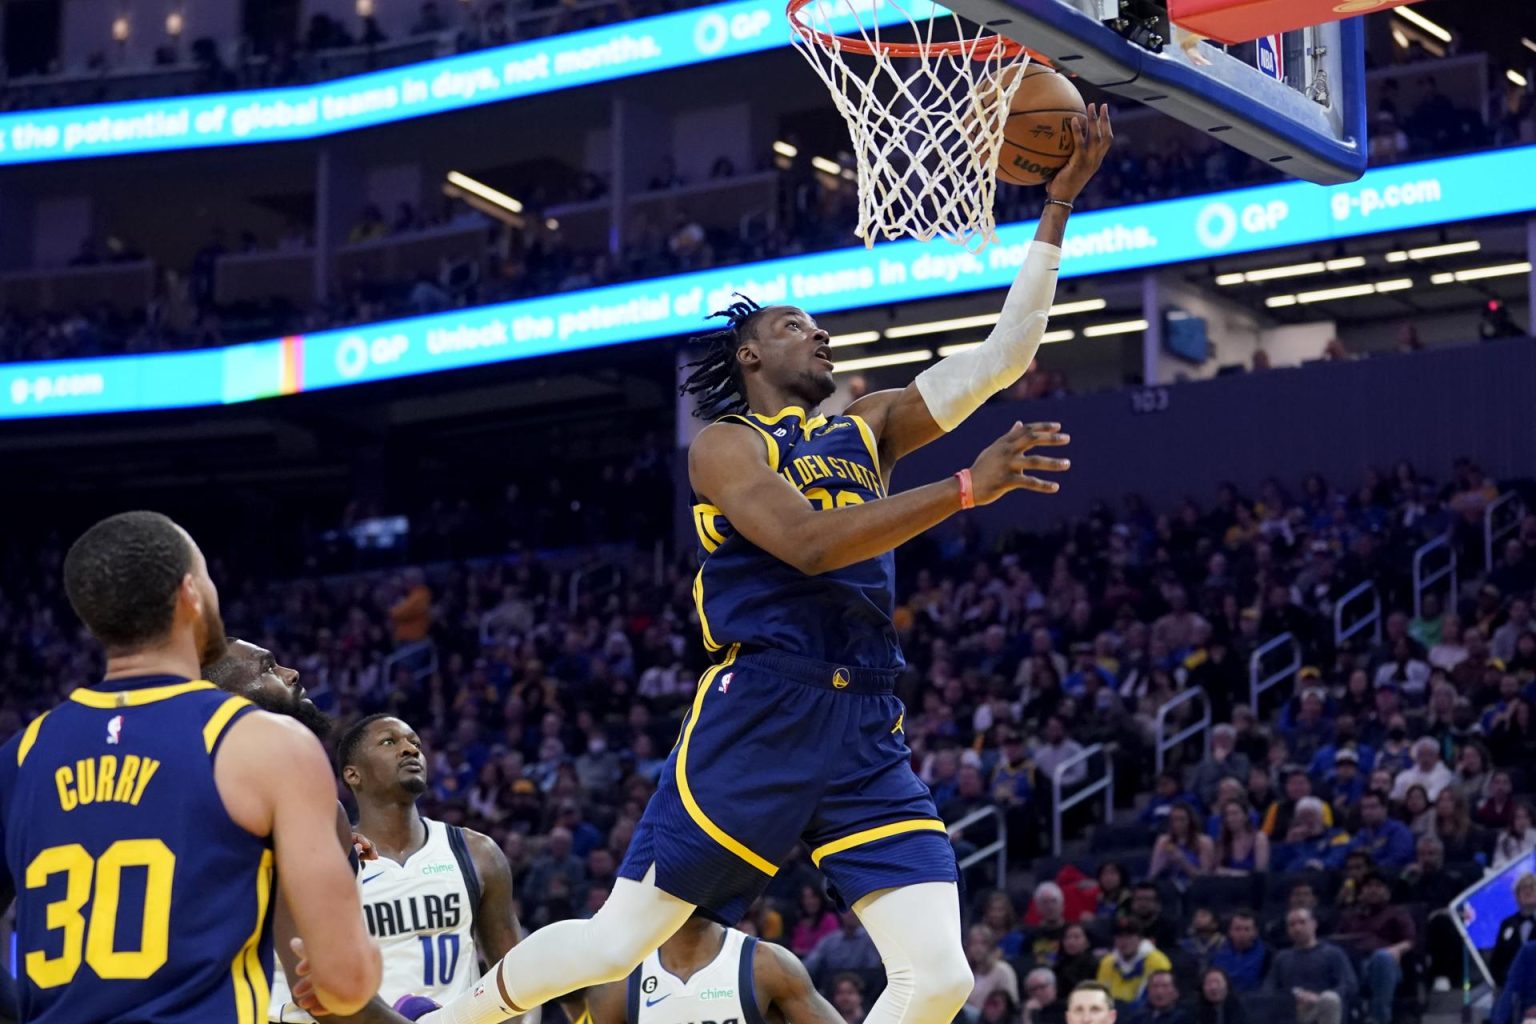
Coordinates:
[273,777]
[945,394]
[727,466]
[783,983]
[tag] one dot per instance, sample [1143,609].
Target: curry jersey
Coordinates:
[721,992]
[746,596]
[422,913]
[138,897]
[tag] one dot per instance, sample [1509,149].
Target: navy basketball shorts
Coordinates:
[776,749]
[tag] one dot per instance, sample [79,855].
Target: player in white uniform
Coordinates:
[433,892]
[707,974]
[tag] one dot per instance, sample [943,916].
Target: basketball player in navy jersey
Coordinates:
[707,972]
[794,733]
[143,818]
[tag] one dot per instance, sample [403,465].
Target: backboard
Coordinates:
[1296,100]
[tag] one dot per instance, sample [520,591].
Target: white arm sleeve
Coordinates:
[955,387]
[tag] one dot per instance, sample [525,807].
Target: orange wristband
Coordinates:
[967,496]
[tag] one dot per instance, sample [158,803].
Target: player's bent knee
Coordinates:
[943,985]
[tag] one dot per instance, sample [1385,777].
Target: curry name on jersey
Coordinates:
[422,913]
[138,897]
[744,595]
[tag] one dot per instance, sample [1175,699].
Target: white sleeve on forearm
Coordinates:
[955,387]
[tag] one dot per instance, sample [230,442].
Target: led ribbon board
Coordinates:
[416,90]
[1128,238]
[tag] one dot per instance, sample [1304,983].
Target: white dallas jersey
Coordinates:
[722,992]
[422,913]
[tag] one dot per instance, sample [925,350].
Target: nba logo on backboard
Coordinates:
[1271,60]
[114,730]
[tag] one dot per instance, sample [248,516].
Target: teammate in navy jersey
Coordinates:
[142,820]
[794,734]
[707,973]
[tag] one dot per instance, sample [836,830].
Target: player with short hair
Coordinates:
[144,817]
[1090,1003]
[707,971]
[435,890]
[794,733]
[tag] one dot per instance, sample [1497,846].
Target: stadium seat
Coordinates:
[1107,838]
[1221,893]
[1269,1007]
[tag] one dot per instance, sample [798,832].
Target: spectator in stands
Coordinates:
[1218,1002]
[1502,644]
[1311,730]
[992,972]
[1417,812]
[1241,849]
[1114,890]
[1427,770]
[1357,865]
[411,616]
[1076,962]
[1055,749]
[848,998]
[1381,934]
[1041,942]
[1497,809]
[1473,773]
[1463,840]
[1042,1001]
[1280,816]
[1389,842]
[1518,839]
[1146,909]
[1183,851]
[1168,790]
[1512,740]
[847,949]
[1204,936]
[998,913]
[1225,761]
[1316,973]
[1311,844]
[1345,784]
[1130,963]
[1160,1004]
[1242,956]
[817,921]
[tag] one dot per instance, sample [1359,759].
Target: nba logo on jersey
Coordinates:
[114,730]
[725,682]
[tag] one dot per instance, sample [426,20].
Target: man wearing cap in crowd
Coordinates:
[1345,782]
[1310,729]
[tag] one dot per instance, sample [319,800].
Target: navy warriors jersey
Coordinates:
[138,899]
[746,596]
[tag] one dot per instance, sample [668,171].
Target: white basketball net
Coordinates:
[926,129]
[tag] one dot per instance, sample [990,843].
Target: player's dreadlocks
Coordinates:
[716,381]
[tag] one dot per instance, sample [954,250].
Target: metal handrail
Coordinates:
[1106,785]
[1491,537]
[405,655]
[1421,582]
[1257,685]
[1372,618]
[1201,727]
[998,848]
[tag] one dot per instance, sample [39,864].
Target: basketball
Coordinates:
[1037,140]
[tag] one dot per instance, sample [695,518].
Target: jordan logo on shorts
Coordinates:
[841,679]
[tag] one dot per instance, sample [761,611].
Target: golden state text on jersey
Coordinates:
[137,897]
[744,595]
